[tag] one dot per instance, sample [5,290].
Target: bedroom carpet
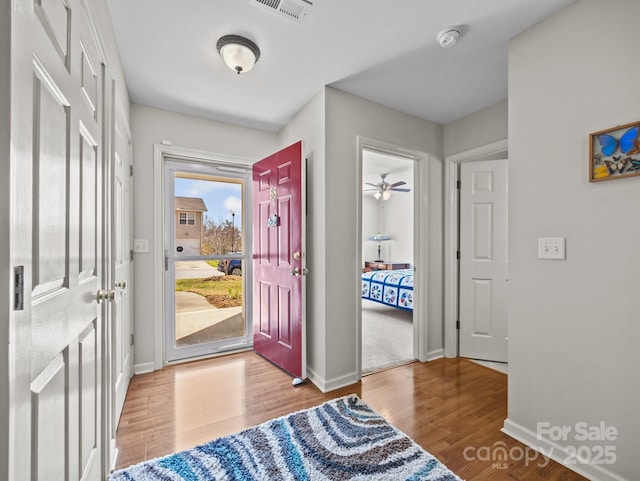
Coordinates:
[387,336]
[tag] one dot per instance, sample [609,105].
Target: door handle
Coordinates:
[122,284]
[297,272]
[166,260]
[106,295]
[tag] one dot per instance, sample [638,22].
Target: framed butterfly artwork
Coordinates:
[614,153]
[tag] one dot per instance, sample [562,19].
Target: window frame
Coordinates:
[189,218]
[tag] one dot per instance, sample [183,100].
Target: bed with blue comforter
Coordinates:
[392,288]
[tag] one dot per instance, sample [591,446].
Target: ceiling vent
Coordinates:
[292,9]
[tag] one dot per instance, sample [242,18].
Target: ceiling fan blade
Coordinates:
[397,184]
[372,185]
[369,190]
[400,190]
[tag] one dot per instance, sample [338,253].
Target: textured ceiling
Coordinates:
[385,51]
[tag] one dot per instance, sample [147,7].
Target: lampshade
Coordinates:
[379,237]
[239,53]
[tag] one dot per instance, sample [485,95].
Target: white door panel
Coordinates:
[57,227]
[120,235]
[483,260]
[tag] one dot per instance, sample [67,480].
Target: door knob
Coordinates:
[122,284]
[297,272]
[106,295]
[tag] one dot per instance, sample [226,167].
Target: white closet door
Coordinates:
[57,236]
[483,260]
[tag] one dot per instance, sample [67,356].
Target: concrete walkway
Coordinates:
[195,270]
[194,313]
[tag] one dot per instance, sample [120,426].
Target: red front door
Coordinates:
[278,259]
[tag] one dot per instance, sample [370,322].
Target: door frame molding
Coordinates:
[160,153]
[451,231]
[420,242]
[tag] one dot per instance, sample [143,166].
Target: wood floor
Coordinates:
[449,406]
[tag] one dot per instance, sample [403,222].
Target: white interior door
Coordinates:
[119,332]
[483,260]
[56,354]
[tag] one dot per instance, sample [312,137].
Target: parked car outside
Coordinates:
[231,267]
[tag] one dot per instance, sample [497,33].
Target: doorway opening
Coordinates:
[206,272]
[387,252]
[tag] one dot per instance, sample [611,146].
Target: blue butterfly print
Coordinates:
[609,144]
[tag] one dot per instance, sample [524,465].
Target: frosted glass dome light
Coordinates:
[239,53]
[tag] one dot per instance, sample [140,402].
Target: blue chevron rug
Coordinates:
[343,439]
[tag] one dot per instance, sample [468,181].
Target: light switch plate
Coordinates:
[551,248]
[140,245]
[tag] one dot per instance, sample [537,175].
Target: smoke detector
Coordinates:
[449,36]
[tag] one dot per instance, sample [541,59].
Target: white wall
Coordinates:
[396,220]
[150,126]
[477,129]
[394,216]
[348,117]
[574,327]
[370,225]
[309,126]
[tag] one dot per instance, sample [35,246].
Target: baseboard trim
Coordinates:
[144,367]
[433,355]
[331,384]
[114,457]
[557,452]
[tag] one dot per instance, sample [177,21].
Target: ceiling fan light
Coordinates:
[239,53]
[386,195]
[377,195]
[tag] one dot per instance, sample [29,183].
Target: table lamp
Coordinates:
[379,238]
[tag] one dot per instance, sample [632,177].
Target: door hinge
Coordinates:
[458,255]
[130,170]
[458,184]
[18,282]
[458,325]
[131,344]
[130,255]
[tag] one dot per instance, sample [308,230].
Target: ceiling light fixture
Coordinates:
[239,53]
[386,195]
[449,36]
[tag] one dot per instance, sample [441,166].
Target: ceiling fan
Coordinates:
[383,188]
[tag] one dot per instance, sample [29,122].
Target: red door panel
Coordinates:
[278,259]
